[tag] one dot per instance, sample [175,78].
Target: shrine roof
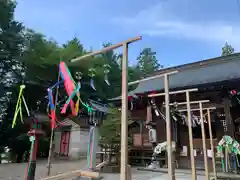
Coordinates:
[99,106]
[213,70]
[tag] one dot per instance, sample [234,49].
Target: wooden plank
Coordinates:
[115,46]
[193,165]
[212,145]
[204,143]
[151,78]
[73,173]
[174,92]
[191,102]
[102,164]
[197,109]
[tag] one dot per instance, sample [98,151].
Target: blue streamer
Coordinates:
[56,84]
[50,99]
[89,147]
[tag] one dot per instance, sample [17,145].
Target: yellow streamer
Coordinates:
[19,106]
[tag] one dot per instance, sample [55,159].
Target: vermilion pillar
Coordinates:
[34,135]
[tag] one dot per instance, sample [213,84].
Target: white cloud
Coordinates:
[168,19]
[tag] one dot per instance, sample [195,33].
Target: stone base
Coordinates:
[111,169]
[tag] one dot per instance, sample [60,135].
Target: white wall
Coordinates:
[79,143]
[56,142]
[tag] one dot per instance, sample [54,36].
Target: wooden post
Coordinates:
[204,142]
[109,48]
[188,102]
[151,78]
[171,173]
[50,152]
[168,127]
[193,165]
[129,172]
[211,141]
[88,174]
[230,126]
[124,120]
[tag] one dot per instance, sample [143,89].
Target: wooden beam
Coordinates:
[209,108]
[124,115]
[211,143]
[206,105]
[102,164]
[151,78]
[115,46]
[173,92]
[124,112]
[171,174]
[191,102]
[89,174]
[193,165]
[171,169]
[204,142]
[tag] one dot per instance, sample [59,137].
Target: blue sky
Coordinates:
[180,31]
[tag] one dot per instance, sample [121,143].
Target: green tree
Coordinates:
[38,50]
[72,49]
[147,62]
[110,133]
[11,42]
[227,49]
[11,46]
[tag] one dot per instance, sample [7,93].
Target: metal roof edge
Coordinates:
[183,67]
[216,60]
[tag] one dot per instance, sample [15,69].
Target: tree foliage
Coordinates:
[11,67]
[110,133]
[27,56]
[227,49]
[147,62]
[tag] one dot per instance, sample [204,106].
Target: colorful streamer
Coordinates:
[18,109]
[230,145]
[235,94]
[71,88]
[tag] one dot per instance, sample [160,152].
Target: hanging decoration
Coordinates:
[130,101]
[92,74]
[235,94]
[154,106]
[149,114]
[18,109]
[72,89]
[78,76]
[231,146]
[181,117]
[158,150]
[107,68]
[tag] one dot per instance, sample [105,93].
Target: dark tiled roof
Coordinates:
[193,74]
[225,69]
[98,106]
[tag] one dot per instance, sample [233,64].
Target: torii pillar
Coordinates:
[34,134]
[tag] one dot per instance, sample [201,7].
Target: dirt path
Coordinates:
[17,171]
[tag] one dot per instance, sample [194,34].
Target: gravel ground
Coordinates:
[16,171]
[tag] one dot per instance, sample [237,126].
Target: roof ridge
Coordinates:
[211,61]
